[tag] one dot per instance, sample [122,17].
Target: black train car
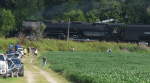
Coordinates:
[117,31]
[96,31]
[130,33]
[78,30]
[137,33]
[55,30]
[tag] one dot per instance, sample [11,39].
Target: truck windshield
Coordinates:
[10,55]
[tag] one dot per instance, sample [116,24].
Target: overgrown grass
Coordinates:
[5,42]
[94,67]
[61,45]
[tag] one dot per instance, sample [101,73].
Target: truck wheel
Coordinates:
[21,73]
[12,74]
[5,76]
[17,74]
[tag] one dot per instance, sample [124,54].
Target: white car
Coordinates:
[3,65]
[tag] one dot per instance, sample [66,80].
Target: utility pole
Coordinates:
[68,33]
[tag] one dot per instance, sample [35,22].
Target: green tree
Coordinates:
[37,32]
[127,11]
[41,30]
[7,22]
[75,15]
[28,10]
[92,16]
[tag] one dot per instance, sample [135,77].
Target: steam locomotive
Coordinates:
[93,31]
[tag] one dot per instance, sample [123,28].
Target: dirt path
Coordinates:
[45,74]
[34,74]
[29,76]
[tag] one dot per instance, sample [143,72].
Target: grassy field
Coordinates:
[62,45]
[12,80]
[100,67]
[5,42]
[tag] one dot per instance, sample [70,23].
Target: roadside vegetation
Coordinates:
[100,67]
[12,80]
[90,63]
[62,45]
[4,42]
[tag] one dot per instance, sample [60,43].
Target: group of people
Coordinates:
[26,51]
[32,51]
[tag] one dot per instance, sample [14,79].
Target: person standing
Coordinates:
[36,52]
[25,51]
[44,60]
[109,51]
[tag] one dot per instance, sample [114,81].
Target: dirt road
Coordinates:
[34,74]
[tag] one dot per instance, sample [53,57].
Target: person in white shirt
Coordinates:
[36,52]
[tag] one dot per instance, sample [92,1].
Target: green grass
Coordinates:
[89,63]
[5,42]
[100,67]
[12,80]
[61,45]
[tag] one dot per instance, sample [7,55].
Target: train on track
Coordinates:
[92,31]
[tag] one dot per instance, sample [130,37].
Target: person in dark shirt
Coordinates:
[16,47]
[44,59]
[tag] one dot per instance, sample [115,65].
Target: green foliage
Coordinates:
[148,10]
[5,42]
[123,11]
[135,11]
[126,11]
[41,30]
[12,80]
[92,17]
[90,67]
[75,15]
[7,22]
[60,45]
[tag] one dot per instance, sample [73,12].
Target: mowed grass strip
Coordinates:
[13,80]
[92,67]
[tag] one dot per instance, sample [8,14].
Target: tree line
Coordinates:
[14,12]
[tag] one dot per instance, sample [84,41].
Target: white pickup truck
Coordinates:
[3,65]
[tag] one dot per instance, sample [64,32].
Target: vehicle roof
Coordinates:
[15,59]
[20,48]
[11,54]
